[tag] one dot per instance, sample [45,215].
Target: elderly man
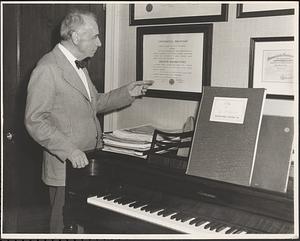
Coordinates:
[62,104]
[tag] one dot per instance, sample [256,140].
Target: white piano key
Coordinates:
[167,222]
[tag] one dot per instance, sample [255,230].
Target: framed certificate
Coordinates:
[264,9]
[271,66]
[162,13]
[177,58]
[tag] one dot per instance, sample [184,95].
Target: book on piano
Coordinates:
[226,134]
[273,158]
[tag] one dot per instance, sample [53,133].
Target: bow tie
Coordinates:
[82,63]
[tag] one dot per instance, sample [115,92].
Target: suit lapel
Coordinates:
[69,73]
[90,84]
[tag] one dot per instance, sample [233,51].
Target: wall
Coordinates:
[230,63]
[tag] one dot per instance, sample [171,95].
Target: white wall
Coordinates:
[230,63]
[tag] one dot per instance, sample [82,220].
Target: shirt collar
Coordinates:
[68,55]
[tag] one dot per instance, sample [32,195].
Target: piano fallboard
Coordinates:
[221,207]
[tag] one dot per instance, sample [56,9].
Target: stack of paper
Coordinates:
[134,141]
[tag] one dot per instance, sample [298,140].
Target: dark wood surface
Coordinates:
[270,212]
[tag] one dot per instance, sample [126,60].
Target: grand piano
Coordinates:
[121,194]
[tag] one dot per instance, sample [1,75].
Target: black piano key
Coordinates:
[207,225]
[108,195]
[198,223]
[168,212]
[174,216]
[154,209]
[179,216]
[125,201]
[231,230]
[185,218]
[150,208]
[161,212]
[215,226]
[182,217]
[117,199]
[138,204]
[237,231]
[220,228]
[146,208]
[212,225]
[194,221]
[120,200]
[132,204]
[143,208]
[111,197]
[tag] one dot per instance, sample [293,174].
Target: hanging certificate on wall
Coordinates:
[272,62]
[265,9]
[177,58]
[163,13]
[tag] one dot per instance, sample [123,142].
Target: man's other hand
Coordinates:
[78,159]
[138,88]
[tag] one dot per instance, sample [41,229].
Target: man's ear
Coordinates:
[75,38]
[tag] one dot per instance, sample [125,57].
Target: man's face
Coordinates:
[88,38]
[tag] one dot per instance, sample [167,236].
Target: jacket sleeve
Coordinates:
[113,100]
[38,121]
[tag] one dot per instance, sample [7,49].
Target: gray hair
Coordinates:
[72,21]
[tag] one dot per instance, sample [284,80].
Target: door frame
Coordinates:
[11,23]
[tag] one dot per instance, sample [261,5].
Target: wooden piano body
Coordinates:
[239,208]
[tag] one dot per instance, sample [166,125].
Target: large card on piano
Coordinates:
[272,163]
[226,134]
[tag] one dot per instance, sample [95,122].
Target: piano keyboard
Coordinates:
[160,216]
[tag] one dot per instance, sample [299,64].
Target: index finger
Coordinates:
[145,82]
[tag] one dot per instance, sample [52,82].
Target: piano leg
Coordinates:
[74,210]
[69,222]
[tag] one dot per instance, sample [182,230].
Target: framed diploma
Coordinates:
[177,58]
[264,9]
[162,13]
[271,66]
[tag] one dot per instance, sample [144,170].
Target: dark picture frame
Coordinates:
[205,29]
[281,60]
[241,13]
[221,17]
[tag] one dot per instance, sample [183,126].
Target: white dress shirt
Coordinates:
[80,72]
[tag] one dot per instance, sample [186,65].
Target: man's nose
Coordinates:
[98,42]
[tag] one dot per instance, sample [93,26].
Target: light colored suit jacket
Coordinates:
[60,116]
